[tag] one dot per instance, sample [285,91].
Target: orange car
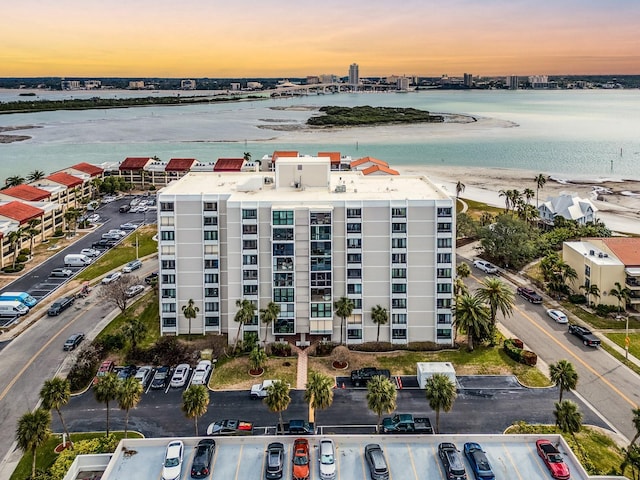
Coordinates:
[105,367]
[300,459]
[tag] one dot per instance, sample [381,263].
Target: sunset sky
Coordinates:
[287,38]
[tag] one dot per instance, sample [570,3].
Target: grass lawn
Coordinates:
[634,345]
[476,209]
[233,373]
[598,322]
[123,253]
[45,456]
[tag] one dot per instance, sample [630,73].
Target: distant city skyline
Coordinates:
[276,38]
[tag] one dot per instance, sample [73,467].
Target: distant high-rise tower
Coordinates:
[468,80]
[354,74]
[512,82]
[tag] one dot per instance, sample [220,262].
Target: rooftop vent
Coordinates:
[340,188]
[592,253]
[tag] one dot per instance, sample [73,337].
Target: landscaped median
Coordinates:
[233,373]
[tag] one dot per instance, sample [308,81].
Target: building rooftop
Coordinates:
[70,181]
[228,165]
[26,192]
[180,164]
[626,249]
[20,212]
[596,255]
[87,168]
[135,163]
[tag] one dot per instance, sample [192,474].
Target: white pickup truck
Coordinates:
[259,390]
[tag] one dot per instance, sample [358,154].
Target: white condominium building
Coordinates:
[303,237]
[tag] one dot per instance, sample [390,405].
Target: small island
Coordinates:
[366,115]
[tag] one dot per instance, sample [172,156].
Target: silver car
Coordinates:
[327,459]
[180,376]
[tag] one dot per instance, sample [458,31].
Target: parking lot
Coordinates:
[409,457]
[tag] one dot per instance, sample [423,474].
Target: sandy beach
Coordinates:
[619,209]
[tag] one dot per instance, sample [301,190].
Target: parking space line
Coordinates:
[538,460]
[515,468]
[239,461]
[215,457]
[413,466]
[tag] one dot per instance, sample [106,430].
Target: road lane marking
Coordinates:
[239,461]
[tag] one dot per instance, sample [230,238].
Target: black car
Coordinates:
[274,461]
[378,468]
[161,378]
[73,341]
[451,461]
[201,466]
[124,208]
[104,244]
[151,278]
[60,306]
[529,295]
[126,372]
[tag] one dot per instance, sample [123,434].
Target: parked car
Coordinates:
[180,376]
[160,378]
[300,459]
[451,461]
[90,252]
[73,341]
[104,244]
[60,305]
[274,461]
[230,426]
[124,208]
[104,368]
[133,290]
[201,372]
[126,372]
[558,316]
[172,465]
[119,232]
[143,375]
[201,465]
[93,218]
[111,277]
[61,272]
[552,459]
[479,462]
[152,277]
[374,456]
[129,226]
[529,295]
[485,266]
[327,459]
[585,335]
[131,266]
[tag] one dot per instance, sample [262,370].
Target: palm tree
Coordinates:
[507,199]
[472,316]
[129,395]
[195,400]
[564,375]
[528,194]
[589,290]
[55,394]
[636,424]
[380,316]
[190,311]
[441,393]
[568,417]
[381,397]
[269,315]
[486,219]
[135,330]
[35,175]
[32,432]
[32,232]
[257,358]
[319,391]
[463,270]
[622,294]
[631,459]
[540,181]
[246,156]
[459,188]
[344,308]
[15,242]
[499,297]
[106,390]
[246,312]
[14,181]
[278,399]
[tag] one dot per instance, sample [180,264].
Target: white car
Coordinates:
[93,218]
[143,375]
[120,233]
[112,277]
[180,376]
[485,266]
[327,459]
[201,372]
[133,290]
[129,226]
[558,316]
[90,252]
[172,465]
[131,266]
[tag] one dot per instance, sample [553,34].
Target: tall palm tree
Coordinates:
[14,181]
[55,394]
[135,330]
[507,199]
[32,432]
[590,289]
[15,242]
[381,397]
[528,194]
[129,394]
[622,294]
[246,312]
[499,297]
[441,393]
[463,270]
[636,424]
[319,391]
[380,316]
[564,375]
[195,400]
[540,181]
[459,188]
[568,417]
[190,311]
[32,232]
[472,316]
[106,390]
[268,316]
[278,399]
[344,308]
[35,175]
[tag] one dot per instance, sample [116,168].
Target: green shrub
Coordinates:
[110,342]
[25,251]
[83,447]
[513,348]
[10,269]
[22,258]
[281,349]
[602,309]
[58,233]
[84,369]
[578,299]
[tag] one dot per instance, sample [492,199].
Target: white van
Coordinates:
[13,309]
[76,260]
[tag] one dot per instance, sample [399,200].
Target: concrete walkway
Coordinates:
[301,377]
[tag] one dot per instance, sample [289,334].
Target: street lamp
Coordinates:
[626,340]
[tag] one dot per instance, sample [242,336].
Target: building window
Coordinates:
[398,273]
[249,214]
[444,258]
[211,306]
[354,273]
[320,264]
[322,232]
[210,292]
[210,263]
[443,303]
[399,334]
[444,288]
[443,333]
[320,218]
[443,273]
[249,259]
[354,228]
[210,278]
[444,227]
[250,274]
[587,270]
[444,318]
[320,279]
[398,288]
[354,333]
[168,293]
[354,243]
[399,258]
[168,264]
[280,264]
[399,318]
[249,244]
[166,206]
[210,206]
[169,322]
[167,235]
[444,211]
[284,279]
[168,279]
[210,235]
[399,303]
[354,212]
[210,221]
[354,258]
[354,288]
[357,303]
[283,233]
[250,229]
[165,221]
[398,243]
[211,321]
[399,227]
[444,243]
[282,217]
[320,249]
[283,295]
[250,289]
[399,212]
[168,308]
[319,310]
[283,249]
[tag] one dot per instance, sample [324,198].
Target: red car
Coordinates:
[552,459]
[300,459]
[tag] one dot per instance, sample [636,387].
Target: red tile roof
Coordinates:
[626,249]
[180,164]
[379,168]
[228,165]
[283,154]
[27,192]
[20,212]
[333,156]
[87,168]
[134,163]
[362,160]
[65,179]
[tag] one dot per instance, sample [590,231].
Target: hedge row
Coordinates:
[514,349]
